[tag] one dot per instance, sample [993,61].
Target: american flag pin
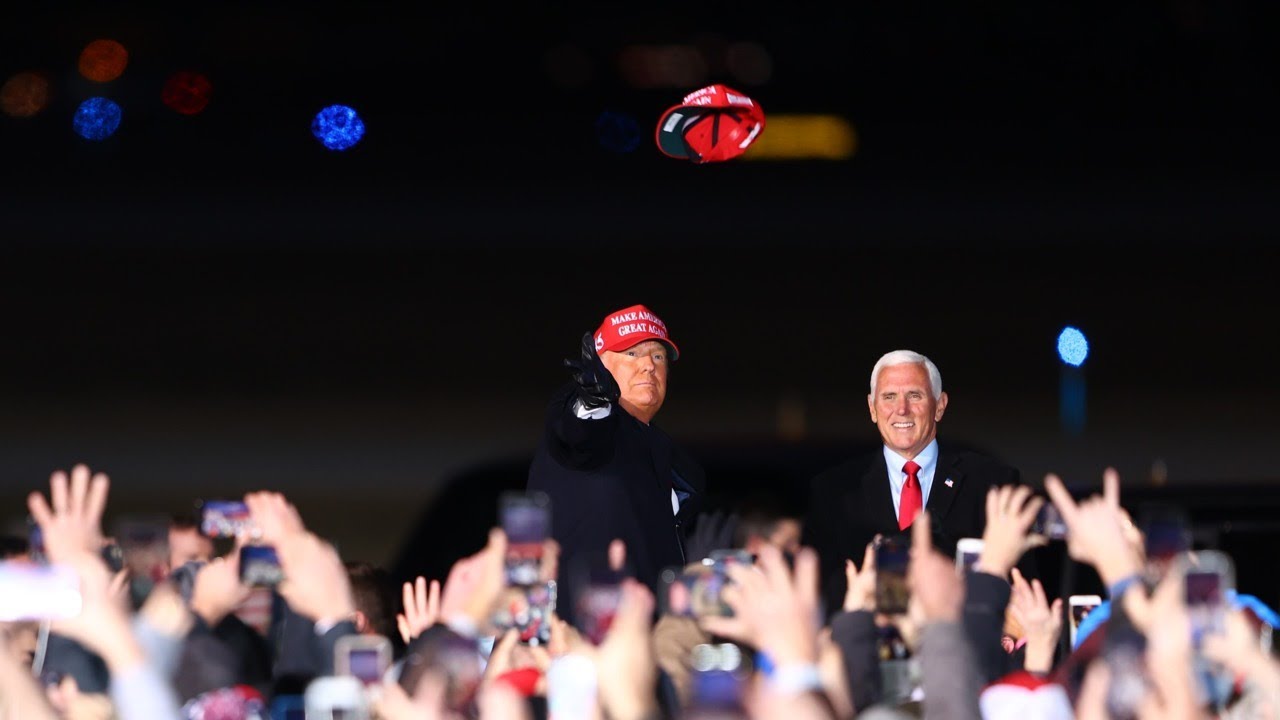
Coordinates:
[949,482]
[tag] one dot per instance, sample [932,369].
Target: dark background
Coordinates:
[203,305]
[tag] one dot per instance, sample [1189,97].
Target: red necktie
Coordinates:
[909,505]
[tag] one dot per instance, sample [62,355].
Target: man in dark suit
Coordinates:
[882,493]
[610,472]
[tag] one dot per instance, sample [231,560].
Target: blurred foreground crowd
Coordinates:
[252,615]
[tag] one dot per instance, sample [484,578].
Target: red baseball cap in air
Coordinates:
[712,124]
[631,326]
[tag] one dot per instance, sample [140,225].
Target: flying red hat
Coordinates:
[712,124]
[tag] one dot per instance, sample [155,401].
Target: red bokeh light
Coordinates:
[186,92]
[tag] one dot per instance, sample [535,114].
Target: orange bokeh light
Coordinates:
[24,95]
[103,60]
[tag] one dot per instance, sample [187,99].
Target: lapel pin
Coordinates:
[949,482]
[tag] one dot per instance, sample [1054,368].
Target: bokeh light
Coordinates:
[103,60]
[24,95]
[749,63]
[657,66]
[617,132]
[1073,348]
[337,127]
[97,118]
[805,137]
[186,92]
[567,66]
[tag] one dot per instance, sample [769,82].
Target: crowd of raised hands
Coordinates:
[985,642]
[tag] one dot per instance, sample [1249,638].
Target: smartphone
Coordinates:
[260,566]
[718,676]
[38,592]
[526,520]
[364,657]
[337,696]
[968,550]
[727,557]
[1079,607]
[1124,651]
[694,591]
[1049,523]
[224,518]
[527,609]
[892,594]
[1209,574]
[597,606]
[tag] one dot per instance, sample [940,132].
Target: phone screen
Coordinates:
[366,665]
[1080,606]
[526,520]
[695,591]
[223,518]
[597,606]
[1205,602]
[892,594]
[528,609]
[1049,523]
[968,550]
[37,592]
[260,566]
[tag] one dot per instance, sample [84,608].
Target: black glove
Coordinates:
[596,386]
[713,531]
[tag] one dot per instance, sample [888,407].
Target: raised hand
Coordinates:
[74,520]
[1041,621]
[861,584]
[1010,513]
[774,610]
[933,580]
[475,583]
[1098,528]
[596,386]
[625,666]
[217,589]
[274,518]
[421,608]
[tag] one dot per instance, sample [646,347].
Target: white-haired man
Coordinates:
[883,492]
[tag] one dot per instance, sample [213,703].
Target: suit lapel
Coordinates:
[877,501]
[947,478]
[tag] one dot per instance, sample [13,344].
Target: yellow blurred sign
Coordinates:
[805,137]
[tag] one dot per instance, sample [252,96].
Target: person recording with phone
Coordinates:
[610,472]
[881,493]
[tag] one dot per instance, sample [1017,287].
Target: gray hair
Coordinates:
[908,357]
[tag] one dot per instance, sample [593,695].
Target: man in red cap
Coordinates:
[610,472]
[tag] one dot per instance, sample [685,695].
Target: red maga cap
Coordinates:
[631,326]
[712,124]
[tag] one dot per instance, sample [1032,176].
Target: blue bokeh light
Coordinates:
[1073,348]
[97,118]
[337,127]
[617,132]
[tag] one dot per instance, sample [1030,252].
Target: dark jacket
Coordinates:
[850,503]
[855,634]
[612,478]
